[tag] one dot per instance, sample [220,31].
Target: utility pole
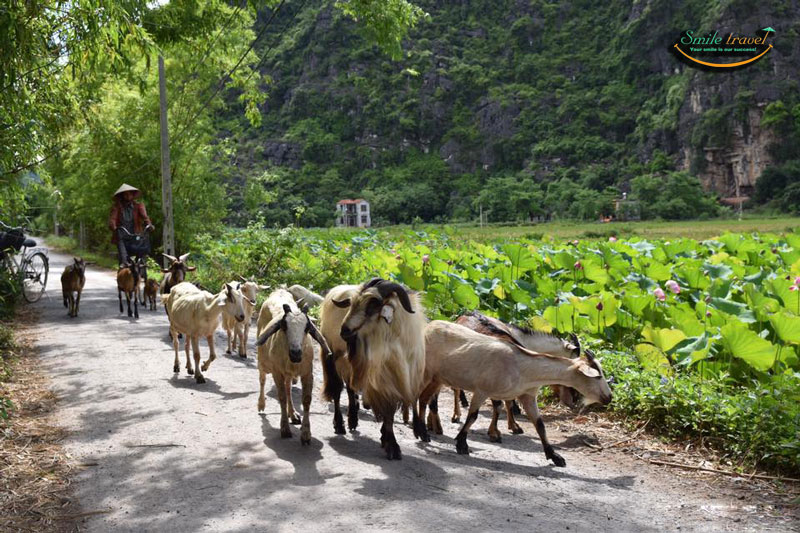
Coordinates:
[166,179]
[480,214]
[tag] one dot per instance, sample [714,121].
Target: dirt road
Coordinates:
[161,453]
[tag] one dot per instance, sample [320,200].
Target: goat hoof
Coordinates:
[305,437]
[286,433]
[205,366]
[517,430]
[339,429]
[455,419]
[393,452]
[176,369]
[495,437]
[462,447]
[190,371]
[199,378]
[557,459]
[243,355]
[295,420]
[228,352]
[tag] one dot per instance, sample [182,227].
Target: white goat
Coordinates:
[237,332]
[383,329]
[304,296]
[491,368]
[285,350]
[196,313]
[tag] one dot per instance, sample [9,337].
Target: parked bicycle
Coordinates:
[27,265]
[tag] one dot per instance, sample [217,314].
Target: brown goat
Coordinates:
[127,282]
[176,273]
[72,281]
[150,293]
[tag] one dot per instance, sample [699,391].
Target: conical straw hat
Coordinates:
[125,188]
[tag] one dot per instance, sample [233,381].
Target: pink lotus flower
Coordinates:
[673,286]
[426,259]
[612,239]
[659,294]
[797,280]
[577,265]
[793,288]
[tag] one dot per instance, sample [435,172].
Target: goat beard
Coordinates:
[358,361]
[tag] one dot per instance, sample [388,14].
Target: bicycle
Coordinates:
[27,265]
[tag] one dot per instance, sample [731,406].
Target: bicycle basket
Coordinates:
[11,239]
[138,245]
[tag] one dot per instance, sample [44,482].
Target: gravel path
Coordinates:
[162,453]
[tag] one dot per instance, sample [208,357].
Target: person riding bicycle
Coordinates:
[128,217]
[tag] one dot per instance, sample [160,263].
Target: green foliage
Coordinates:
[672,196]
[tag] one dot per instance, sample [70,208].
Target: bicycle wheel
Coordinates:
[34,270]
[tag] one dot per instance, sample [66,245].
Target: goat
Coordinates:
[72,281]
[492,368]
[285,350]
[176,273]
[196,314]
[527,338]
[237,332]
[150,292]
[128,282]
[383,329]
[304,296]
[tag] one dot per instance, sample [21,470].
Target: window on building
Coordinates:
[363,208]
[363,219]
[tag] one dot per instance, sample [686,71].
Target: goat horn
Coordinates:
[170,257]
[244,280]
[269,332]
[372,283]
[184,256]
[576,341]
[317,336]
[386,288]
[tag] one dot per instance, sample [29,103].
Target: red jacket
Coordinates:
[140,218]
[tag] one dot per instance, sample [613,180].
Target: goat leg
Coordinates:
[513,427]
[532,410]
[430,391]
[332,385]
[305,429]
[293,417]
[77,303]
[136,304]
[388,440]
[405,413]
[176,367]
[211,353]
[262,379]
[119,295]
[281,384]
[462,396]
[456,406]
[494,433]
[352,409]
[420,431]
[198,375]
[461,439]
[186,341]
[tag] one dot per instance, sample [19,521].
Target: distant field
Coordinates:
[694,229]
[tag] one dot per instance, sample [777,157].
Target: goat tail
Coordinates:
[332,383]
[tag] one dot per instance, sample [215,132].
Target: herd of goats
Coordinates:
[374,340]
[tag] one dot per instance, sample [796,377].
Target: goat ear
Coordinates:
[387,313]
[263,287]
[371,283]
[165,271]
[191,269]
[588,371]
[269,332]
[342,303]
[317,336]
[287,308]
